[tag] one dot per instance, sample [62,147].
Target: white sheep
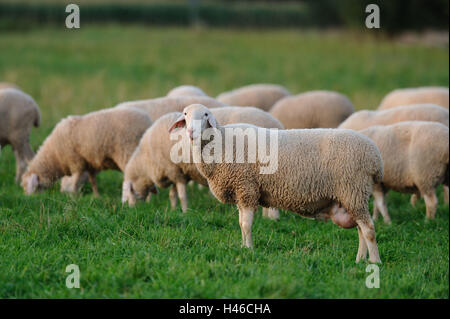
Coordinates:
[415,158]
[317,170]
[156,108]
[262,96]
[186,90]
[417,112]
[421,95]
[18,114]
[151,162]
[313,109]
[90,143]
[420,112]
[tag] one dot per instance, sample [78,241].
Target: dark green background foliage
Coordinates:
[396,15]
[152,251]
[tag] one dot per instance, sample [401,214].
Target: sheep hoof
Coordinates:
[375,261]
[359,258]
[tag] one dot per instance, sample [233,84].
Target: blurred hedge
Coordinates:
[396,15]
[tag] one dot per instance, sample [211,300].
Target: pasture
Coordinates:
[151,251]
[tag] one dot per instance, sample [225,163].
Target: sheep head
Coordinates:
[133,191]
[195,118]
[30,183]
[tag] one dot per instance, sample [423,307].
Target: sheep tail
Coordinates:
[378,176]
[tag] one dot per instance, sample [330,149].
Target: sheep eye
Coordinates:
[206,114]
[185,113]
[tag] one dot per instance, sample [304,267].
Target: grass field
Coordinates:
[151,251]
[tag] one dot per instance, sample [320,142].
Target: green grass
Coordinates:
[151,251]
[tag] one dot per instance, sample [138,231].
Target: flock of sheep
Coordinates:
[331,159]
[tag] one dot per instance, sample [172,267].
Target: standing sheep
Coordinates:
[18,114]
[262,96]
[423,112]
[151,163]
[90,143]
[317,170]
[421,95]
[156,108]
[186,90]
[415,158]
[314,109]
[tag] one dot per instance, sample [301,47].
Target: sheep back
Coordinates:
[186,90]
[156,108]
[315,109]
[262,96]
[421,112]
[422,95]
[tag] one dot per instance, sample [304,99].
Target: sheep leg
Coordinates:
[21,166]
[93,181]
[368,232]
[173,196]
[430,203]
[242,228]
[75,183]
[271,213]
[375,206]
[375,210]
[182,195]
[380,204]
[246,221]
[362,248]
[413,200]
[446,191]
[23,154]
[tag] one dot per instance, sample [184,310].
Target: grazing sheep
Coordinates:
[90,143]
[415,158]
[421,112]
[262,96]
[18,114]
[314,109]
[422,95]
[156,108]
[151,163]
[317,170]
[186,90]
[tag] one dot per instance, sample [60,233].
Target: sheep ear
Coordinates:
[212,121]
[32,184]
[179,123]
